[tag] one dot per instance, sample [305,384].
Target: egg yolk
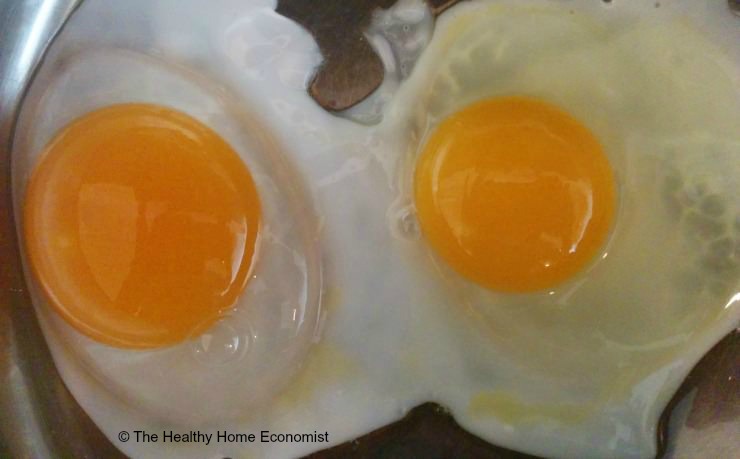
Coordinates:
[140,224]
[514,193]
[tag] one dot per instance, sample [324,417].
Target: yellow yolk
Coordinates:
[141,225]
[514,194]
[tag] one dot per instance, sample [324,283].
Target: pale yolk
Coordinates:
[141,225]
[514,194]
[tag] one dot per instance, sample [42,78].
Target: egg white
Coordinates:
[584,372]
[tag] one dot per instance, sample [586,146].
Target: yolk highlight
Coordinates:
[140,225]
[514,194]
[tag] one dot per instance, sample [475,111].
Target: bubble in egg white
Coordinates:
[221,344]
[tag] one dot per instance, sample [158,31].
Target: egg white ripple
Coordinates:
[395,334]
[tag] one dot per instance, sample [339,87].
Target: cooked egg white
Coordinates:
[577,364]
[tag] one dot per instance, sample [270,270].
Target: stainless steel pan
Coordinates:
[38,416]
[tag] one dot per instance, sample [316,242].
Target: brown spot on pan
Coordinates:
[427,431]
[351,69]
[715,383]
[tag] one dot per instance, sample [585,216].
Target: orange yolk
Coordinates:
[514,194]
[141,225]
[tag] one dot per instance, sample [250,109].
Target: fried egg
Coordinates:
[148,230]
[533,222]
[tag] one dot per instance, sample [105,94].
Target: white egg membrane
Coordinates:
[583,370]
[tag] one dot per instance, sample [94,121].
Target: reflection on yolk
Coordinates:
[514,194]
[141,225]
